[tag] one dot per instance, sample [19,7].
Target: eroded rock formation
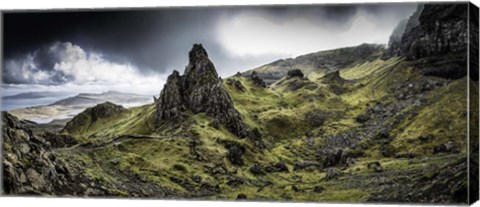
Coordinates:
[198,90]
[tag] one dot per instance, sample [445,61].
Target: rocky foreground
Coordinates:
[359,124]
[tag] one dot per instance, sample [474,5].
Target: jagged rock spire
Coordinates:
[198,90]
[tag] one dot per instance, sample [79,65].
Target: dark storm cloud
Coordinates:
[157,40]
[145,38]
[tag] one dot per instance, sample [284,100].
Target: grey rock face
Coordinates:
[439,42]
[170,102]
[198,90]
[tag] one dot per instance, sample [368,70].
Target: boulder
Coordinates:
[281,167]
[295,188]
[257,169]
[318,189]
[241,196]
[235,153]
[362,118]
[196,178]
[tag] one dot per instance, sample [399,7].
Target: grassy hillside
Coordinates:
[135,120]
[317,64]
[372,132]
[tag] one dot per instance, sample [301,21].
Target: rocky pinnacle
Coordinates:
[198,90]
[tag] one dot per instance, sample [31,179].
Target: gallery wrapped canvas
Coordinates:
[357,103]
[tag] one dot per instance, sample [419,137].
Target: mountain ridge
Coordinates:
[69,107]
[320,62]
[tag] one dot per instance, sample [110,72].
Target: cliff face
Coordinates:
[442,30]
[395,40]
[198,90]
[438,43]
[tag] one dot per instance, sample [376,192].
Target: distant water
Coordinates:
[10,104]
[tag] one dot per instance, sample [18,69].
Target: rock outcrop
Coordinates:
[295,73]
[334,81]
[257,80]
[59,140]
[438,44]
[198,90]
[30,167]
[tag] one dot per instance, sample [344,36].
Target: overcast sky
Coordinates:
[134,51]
